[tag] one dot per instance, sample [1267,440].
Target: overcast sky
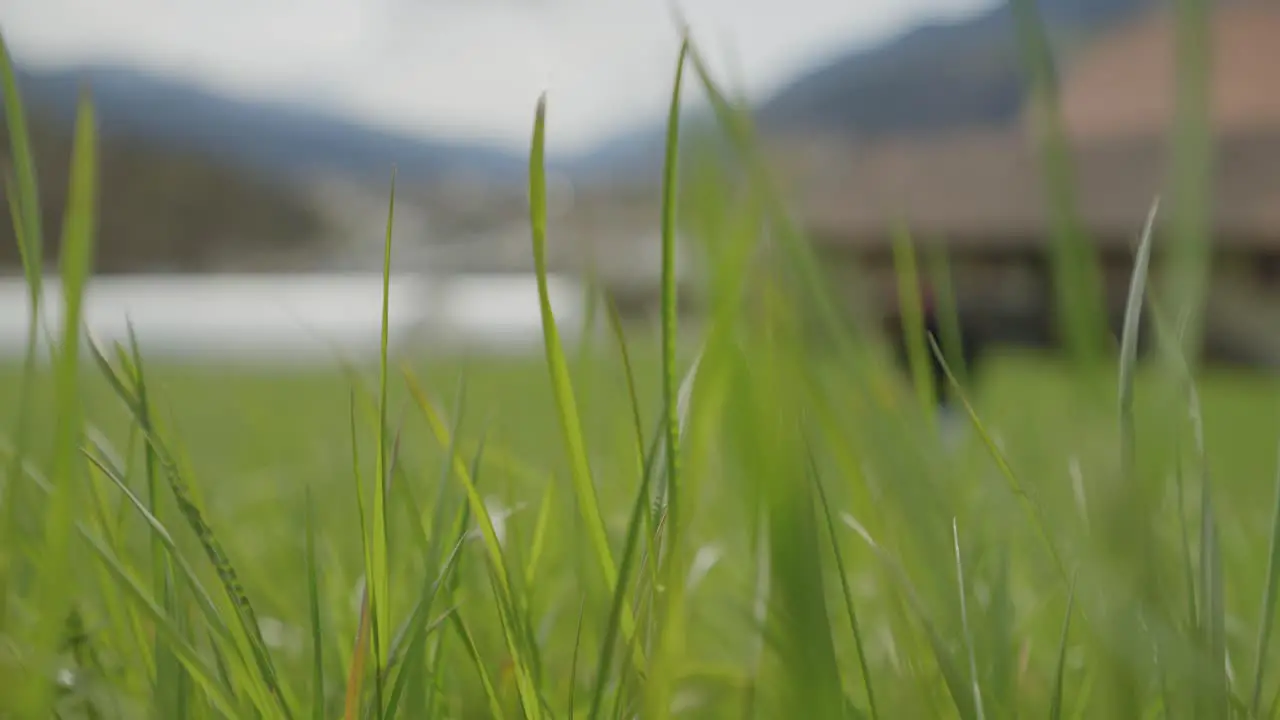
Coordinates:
[470,69]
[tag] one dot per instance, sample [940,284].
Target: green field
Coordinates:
[256,441]
[575,535]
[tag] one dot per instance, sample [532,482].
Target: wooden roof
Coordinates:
[1123,85]
[988,191]
[986,188]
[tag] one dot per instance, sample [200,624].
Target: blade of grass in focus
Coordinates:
[671,574]
[169,679]
[190,657]
[360,653]
[262,678]
[379,579]
[639,510]
[566,405]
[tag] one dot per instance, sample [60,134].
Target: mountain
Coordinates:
[936,76]
[933,77]
[278,138]
[163,209]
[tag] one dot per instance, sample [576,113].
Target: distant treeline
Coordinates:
[161,209]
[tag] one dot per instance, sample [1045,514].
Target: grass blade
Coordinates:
[379,580]
[948,313]
[844,586]
[913,328]
[1077,278]
[167,669]
[671,634]
[1129,337]
[639,509]
[317,628]
[188,655]
[573,664]
[964,620]
[22,191]
[469,644]
[1055,705]
[951,674]
[670,311]
[355,674]
[66,475]
[1032,509]
[566,405]
[1266,617]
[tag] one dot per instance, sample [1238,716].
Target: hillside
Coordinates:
[281,139]
[933,77]
[163,209]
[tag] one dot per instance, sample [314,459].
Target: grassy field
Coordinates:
[761,522]
[256,443]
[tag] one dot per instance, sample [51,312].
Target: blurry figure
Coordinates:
[949,410]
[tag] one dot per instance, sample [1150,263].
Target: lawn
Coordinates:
[766,524]
[257,440]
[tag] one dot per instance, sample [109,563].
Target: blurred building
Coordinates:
[982,193]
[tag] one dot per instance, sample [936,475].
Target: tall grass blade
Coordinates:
[1189,261]
[1213,606]
[913,328]
[1266,613]
[1129,336]
[1032,509]
[948,312]
[245,614]
[469,644]
[356,673]
[77,251]
[23,188]
[415,633]
[639,509]
[1131,333]
[1055,703]
[190,657]
[1077,278]
[313,605]
[850,608]
[671,632]
[964,621]
[633,397]
[22,191]
[540,528]
[961,696]
[669,300]
[379,581]
[566,405]
[168,673]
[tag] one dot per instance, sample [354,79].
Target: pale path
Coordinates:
[299,318]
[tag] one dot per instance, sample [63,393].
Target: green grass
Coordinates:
[260,442]
[752,524]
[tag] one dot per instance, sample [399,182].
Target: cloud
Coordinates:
[470,69]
